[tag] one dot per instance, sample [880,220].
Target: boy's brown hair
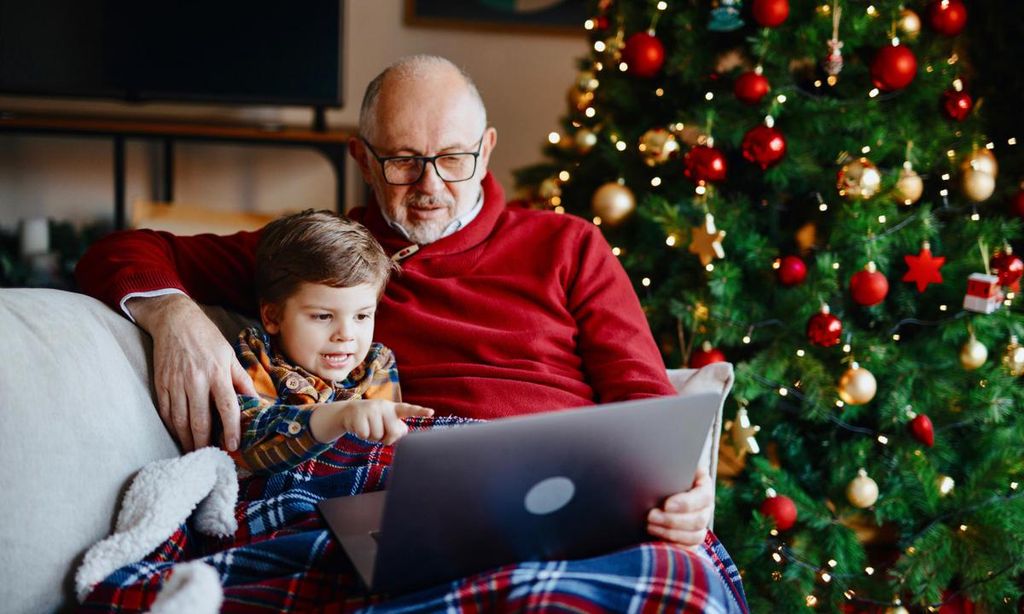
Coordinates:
[318,247]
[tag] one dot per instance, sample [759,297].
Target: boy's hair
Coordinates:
[318,247]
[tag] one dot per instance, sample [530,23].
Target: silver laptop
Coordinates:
[558,485]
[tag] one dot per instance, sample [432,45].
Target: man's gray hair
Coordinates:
[409,67]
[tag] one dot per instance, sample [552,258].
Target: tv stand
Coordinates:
[319,119]
[332,144]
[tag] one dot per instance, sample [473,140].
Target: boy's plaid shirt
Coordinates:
[275,425]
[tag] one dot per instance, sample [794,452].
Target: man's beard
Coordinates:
[426,231]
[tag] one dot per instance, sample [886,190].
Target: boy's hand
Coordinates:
[369,419]
[685,516]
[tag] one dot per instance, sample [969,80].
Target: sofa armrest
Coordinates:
[78,420]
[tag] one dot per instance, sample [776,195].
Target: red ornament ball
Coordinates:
[868,287]
[947,17]
[792,271]
[644,55]
[957,105]
[1017,204]
[704,164]
[922,429]
[782,510]
[764,146]
[770,13]
[601,23]
[1008,267]
[705,355]
[893,68]
[824,329]
[751,87]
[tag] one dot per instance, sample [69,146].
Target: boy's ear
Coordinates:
[270,315]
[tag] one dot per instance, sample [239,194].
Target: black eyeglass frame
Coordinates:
[427,159]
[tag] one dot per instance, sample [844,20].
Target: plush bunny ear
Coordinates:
[193,587]
[162,496]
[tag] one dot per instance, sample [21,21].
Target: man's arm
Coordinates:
[620,357]
[192,362]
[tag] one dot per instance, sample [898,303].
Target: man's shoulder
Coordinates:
[519,215]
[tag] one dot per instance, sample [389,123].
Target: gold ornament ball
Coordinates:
[859,179]
[586,81]
[977,185]
[981,160]
[658,146]
[910,186]
[909,23]
[1013,358]
[857,386]
[585,140]
[579,100]
[897,610]
[973,354]
[613,202]
[862,491]
[549,188]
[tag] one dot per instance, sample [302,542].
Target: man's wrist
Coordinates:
[150,311]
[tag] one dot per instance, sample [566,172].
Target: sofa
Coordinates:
[78,422]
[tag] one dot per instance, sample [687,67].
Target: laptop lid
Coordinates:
[566,484]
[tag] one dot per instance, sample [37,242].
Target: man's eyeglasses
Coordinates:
[407,170]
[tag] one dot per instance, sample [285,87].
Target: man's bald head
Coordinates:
[415,73]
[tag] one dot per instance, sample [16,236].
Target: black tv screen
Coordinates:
[253,52]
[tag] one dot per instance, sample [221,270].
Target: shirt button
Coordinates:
[292,383]
[294,428]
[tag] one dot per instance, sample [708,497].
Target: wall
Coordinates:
[522,78]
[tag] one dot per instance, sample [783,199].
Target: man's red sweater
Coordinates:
[518,312]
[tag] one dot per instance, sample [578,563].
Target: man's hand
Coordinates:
[192,365]
[685,516]
[369,419]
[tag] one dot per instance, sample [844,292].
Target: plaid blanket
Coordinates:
[284,559]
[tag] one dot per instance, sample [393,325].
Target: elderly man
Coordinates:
[498,311]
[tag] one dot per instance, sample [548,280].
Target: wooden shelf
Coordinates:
[332,144]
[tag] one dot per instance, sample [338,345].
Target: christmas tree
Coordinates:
[806,189]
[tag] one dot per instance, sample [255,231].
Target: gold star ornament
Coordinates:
[706,241]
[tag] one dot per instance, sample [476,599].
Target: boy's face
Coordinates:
[326,331]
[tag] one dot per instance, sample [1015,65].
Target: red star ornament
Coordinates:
[924,268]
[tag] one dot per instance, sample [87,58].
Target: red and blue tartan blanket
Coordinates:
[283,558]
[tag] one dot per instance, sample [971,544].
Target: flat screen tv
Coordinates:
[224,51]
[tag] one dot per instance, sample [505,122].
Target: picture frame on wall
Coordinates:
[562,17]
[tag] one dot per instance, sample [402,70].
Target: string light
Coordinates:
[590,112]
[599,46]
[659,92]
[700,190]
[623,67]
[873,93]
[710,267]
[709,96]
[781,98]
[882,439]
[563,176]
[846,348]
[812,601]
[840,404]
[662,5]
[832,563]
[670,240]
[588,24]
[800,353]
[616,251]
[881,219]
[645,282]
[835,265]
[865,149]
[872,10]
[597,220]
[621,146]
[869,570]
[554,138]
[559,209]
[655,181]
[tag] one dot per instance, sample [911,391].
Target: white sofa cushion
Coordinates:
[76,422]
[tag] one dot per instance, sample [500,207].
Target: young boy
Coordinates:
[318,277]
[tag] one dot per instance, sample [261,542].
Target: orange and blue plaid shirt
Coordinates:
[275,425]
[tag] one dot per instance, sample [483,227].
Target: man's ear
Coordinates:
[489,141]
[270,315]
[357,149]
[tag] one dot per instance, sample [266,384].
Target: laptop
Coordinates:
[558,485]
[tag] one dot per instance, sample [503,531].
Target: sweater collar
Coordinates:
[468,236]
